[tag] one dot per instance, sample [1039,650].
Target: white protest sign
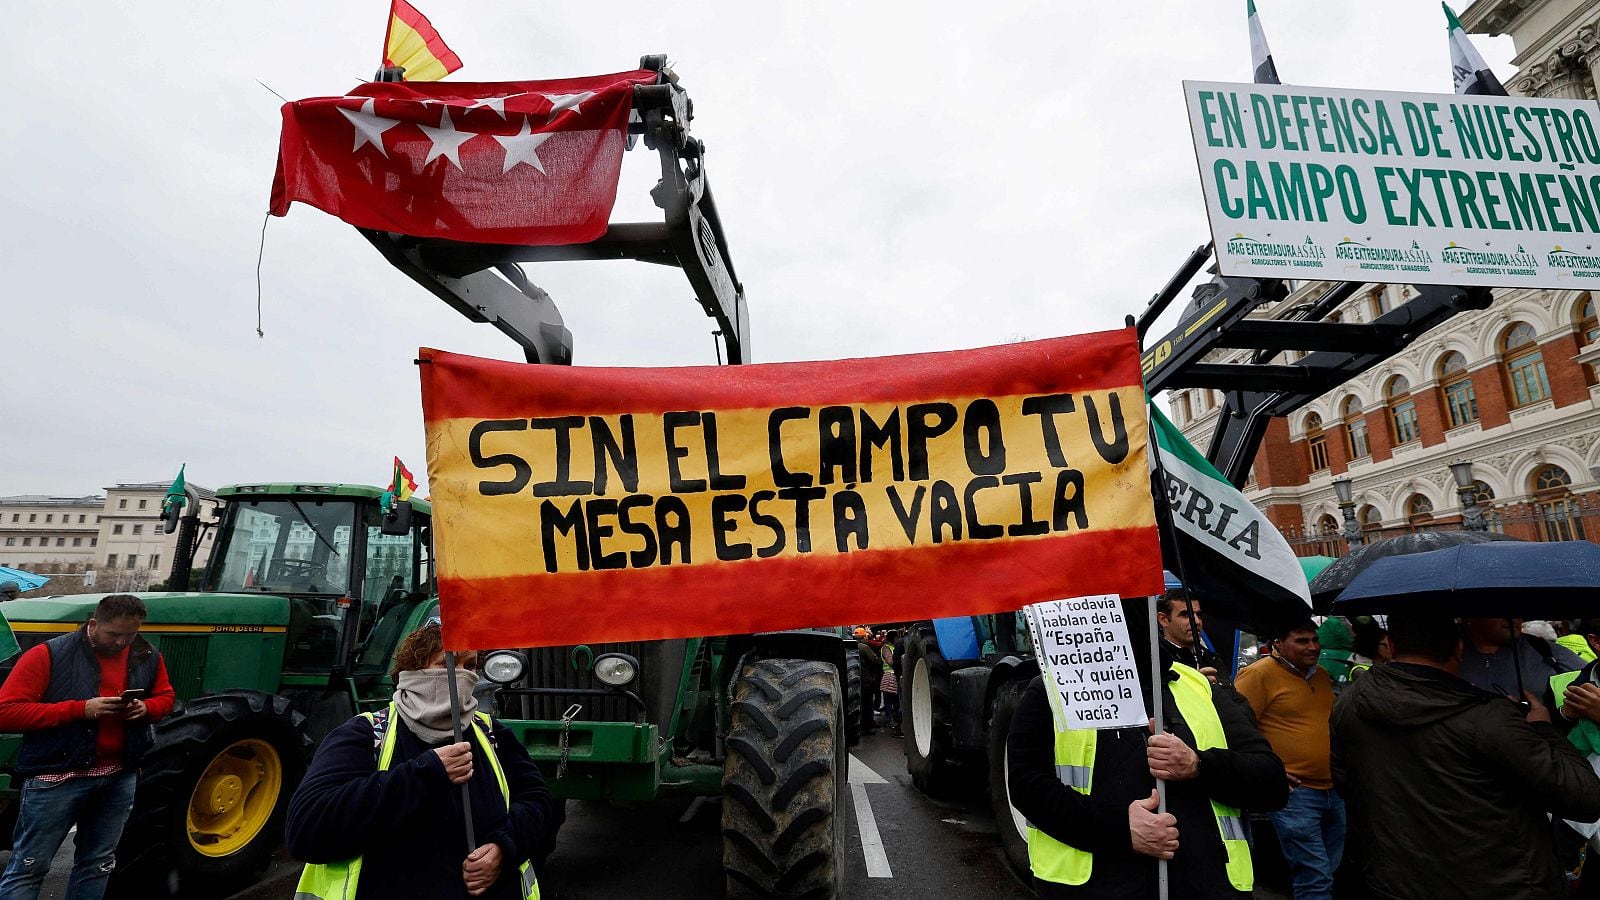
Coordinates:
[1337,185]
[1083,651]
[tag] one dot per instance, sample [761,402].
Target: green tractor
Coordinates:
[293,629]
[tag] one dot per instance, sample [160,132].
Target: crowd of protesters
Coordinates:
[879,651]
[1408,756]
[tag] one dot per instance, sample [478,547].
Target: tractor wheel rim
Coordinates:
[234,798]
[921,709]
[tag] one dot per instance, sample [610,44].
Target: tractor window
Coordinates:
[396,581]
[299,546]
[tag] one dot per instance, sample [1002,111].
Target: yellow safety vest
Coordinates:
[1578,644]
[337,881]
[1061,863]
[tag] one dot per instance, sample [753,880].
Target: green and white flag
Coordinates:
[1467,68]
[1231,554]
[1265,71]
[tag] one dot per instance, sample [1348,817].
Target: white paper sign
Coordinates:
[1337,185]
[1083,651]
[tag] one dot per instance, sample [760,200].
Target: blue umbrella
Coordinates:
[26,581]
[1502,578]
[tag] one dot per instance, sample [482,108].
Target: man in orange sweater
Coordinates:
[1293,699]
[84,702]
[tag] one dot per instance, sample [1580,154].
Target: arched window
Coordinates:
[1524,366]
[1368,518]
[1559,518]
[1328,524]
[1419,510]
[1588,334]
[1355,428]
[1460,397]
[1316,443]
[1402,411]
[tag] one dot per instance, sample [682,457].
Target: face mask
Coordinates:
[422,698]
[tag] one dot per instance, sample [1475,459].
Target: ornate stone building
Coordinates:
[1512,389]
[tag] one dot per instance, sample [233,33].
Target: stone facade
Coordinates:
[116,534]
[1512,388]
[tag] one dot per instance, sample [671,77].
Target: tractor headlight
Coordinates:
[616,669]
[504,666]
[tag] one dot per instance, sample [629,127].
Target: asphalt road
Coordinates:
[670,849]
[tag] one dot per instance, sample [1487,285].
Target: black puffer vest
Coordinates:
[75,675]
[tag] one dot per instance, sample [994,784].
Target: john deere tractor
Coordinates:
[310,589]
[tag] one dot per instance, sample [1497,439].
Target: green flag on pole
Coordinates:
[177,494]
[1467,68]
[1231,554]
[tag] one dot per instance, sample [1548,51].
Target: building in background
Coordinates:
[1512,391]
[116,535]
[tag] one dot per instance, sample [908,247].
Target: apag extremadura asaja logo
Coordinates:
[1308,255]
[1364,256]
[1489,262]
[1568,263]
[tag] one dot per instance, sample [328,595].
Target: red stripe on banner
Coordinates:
[419,23]
[795,592]
[457,386]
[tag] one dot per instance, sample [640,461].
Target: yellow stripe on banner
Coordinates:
[408,49]
[959,497]
[152,628]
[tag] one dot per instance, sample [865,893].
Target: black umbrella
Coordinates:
[1522,580]
[1335,578]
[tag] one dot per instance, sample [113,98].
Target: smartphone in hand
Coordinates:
[132,694]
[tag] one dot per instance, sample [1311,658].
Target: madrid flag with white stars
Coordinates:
[517,162]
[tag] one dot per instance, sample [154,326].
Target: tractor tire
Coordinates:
[926,708]
[1010,824]
[852,697]
[214,789]
[783,783]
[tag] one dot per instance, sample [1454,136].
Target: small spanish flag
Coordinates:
[413,44]
[403,484]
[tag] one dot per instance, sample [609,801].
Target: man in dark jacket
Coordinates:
[1448,786]
[84,702]
[1116,821]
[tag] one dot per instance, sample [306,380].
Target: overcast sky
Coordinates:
[893,177]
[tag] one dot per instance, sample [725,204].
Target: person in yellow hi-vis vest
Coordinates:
[378,813]
[1090,796]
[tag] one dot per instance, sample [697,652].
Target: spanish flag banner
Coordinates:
[581,505]
[413,44]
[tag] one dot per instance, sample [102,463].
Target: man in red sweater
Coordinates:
[84,703]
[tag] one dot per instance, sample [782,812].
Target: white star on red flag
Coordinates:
[523,147]
[498,104]
[446,140]
[369,126]
[559,102]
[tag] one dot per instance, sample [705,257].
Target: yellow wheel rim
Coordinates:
[234,798]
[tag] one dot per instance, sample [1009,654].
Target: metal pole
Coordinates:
[455,727]
[1156,727]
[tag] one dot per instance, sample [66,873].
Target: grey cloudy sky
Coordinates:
[894,177]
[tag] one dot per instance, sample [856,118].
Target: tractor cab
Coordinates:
[353,581]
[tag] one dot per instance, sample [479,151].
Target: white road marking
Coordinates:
[861,773]
[860,776]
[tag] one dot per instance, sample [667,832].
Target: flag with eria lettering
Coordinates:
[1467,68]
[1233,558]
[402,485]
[515,162]
[412,44]
[581,505]
[1261,64]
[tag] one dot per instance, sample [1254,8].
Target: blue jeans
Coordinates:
[98,805]
[1311,833]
